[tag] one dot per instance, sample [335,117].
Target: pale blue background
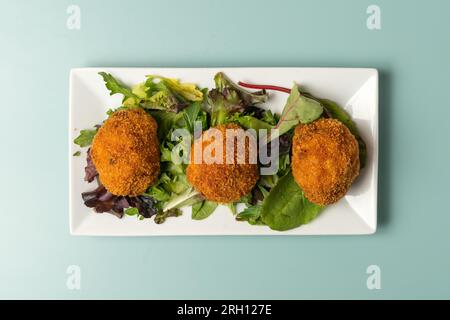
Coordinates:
[412,53]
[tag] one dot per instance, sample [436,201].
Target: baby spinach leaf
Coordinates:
[251,214]
[286,207]
[203,210]
[77,153]
[338,113]
[298,109]
[115,87]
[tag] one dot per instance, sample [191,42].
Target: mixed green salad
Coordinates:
[276,200]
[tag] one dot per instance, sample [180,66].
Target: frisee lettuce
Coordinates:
[85,138]
[298,109]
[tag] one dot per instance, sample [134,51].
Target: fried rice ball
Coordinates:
[325,160]
[126,152]
[222,182]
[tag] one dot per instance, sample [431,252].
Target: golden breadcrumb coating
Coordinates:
[325,160]
[126,152]
[222,182]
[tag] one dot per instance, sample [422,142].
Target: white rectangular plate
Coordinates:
[354,89]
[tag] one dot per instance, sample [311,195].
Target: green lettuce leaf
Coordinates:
[188,91]
[286,206]
[170,94]
[298,109]
[269,118]
[114,87]
[131,211]
[233,208]
[190,115]
[188,197]
[161,217]
[167,121]
[249,122]
[203,210]
[163,100]
[338,113]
